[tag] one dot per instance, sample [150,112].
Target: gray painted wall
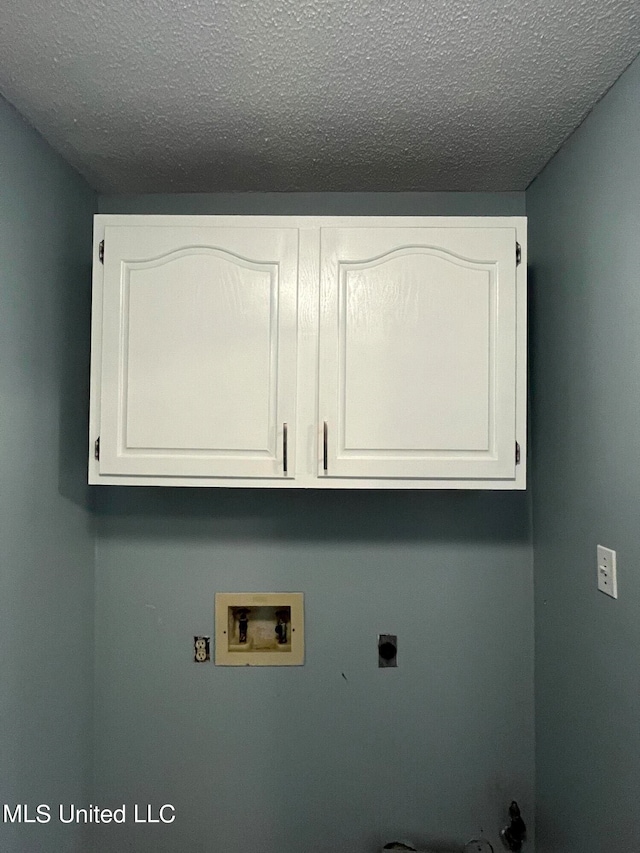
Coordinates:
[46,540]
[337,755]
[584,221]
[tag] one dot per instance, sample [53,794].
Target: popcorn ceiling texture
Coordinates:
[311,95]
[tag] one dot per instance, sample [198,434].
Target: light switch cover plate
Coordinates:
[607,571]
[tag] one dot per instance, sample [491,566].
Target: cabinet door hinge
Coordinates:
[96,448]
[518,254]
[101,251]
[517,453]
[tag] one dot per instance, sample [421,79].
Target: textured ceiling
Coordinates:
[292,95]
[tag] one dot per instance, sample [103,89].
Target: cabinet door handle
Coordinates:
[325,448]
[285,430]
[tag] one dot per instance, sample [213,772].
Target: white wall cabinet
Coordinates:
[309,352]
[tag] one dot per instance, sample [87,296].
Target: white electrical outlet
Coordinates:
[607,576]
[201,646]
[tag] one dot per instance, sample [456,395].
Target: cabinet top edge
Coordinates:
[275,220]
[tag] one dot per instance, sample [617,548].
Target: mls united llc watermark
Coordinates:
[70,813]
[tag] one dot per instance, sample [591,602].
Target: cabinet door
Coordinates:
[418,352]
[198,351]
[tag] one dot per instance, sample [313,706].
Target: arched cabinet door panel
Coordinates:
[198,367]
[417,365]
